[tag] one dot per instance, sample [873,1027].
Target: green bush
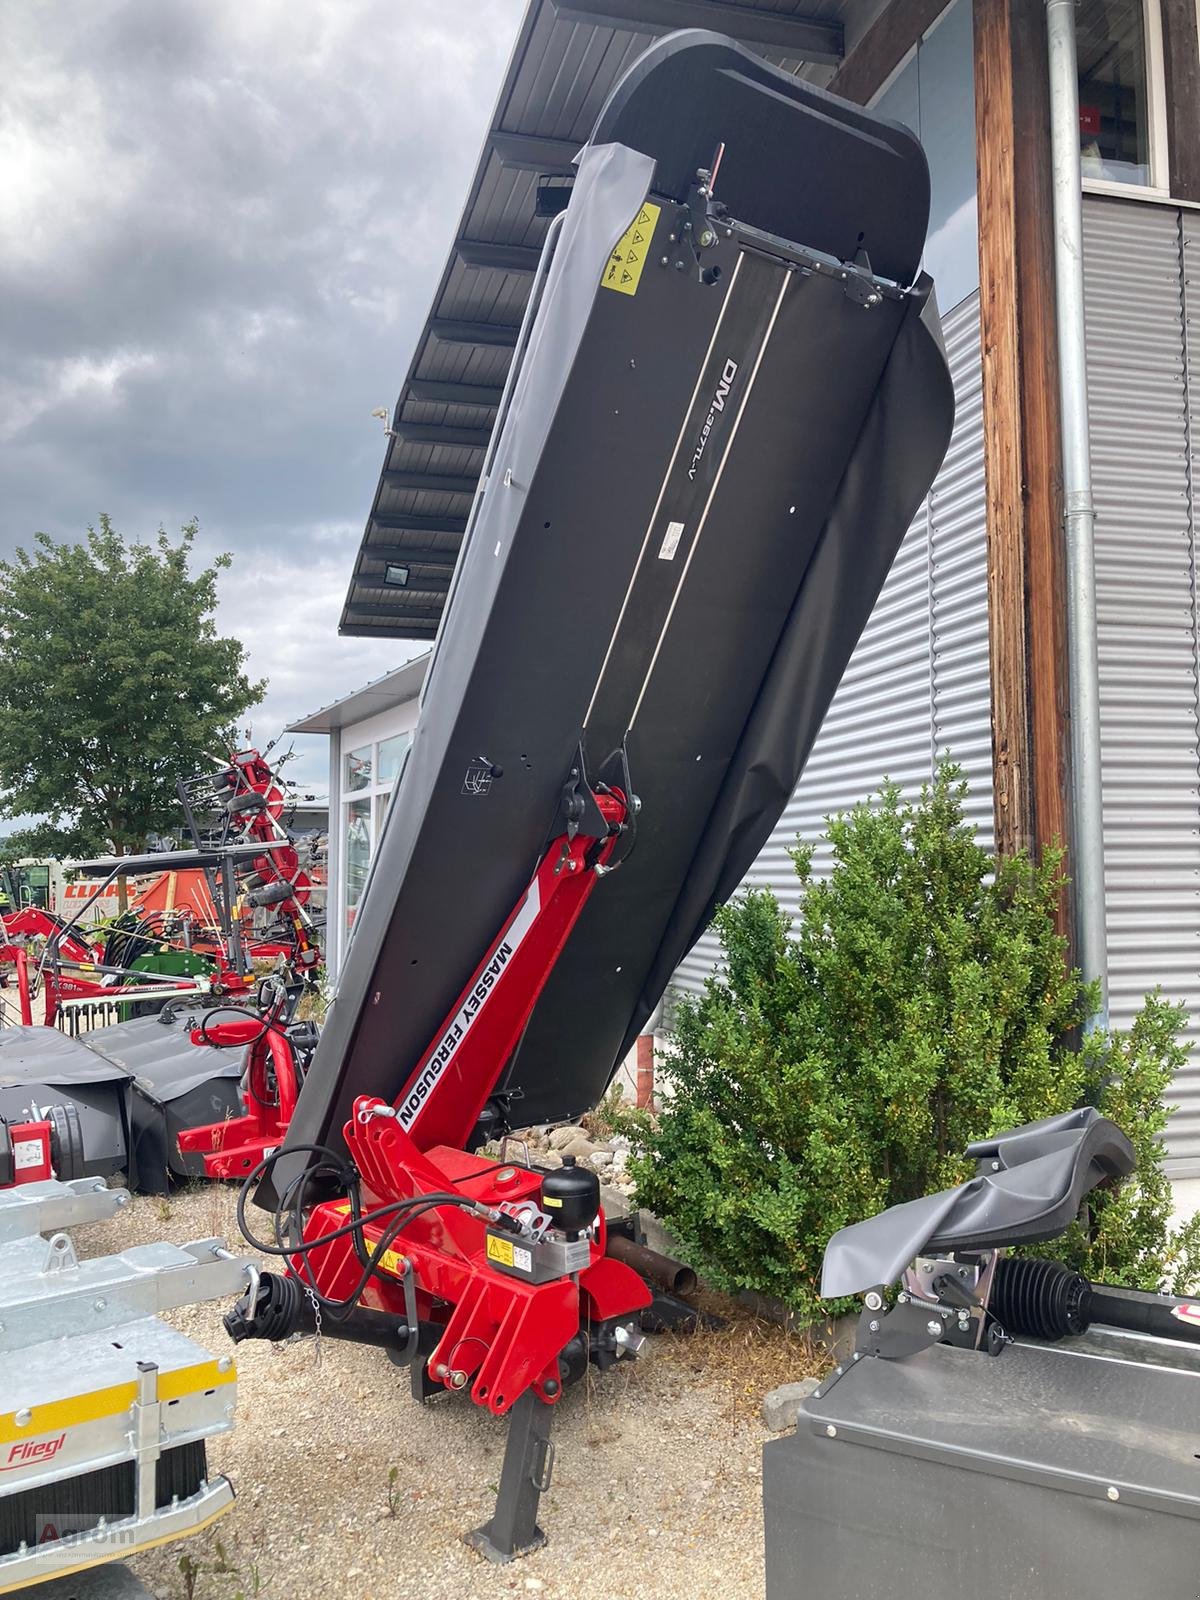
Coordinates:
[837,1067]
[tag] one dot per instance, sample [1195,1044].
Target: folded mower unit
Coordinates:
[728,399]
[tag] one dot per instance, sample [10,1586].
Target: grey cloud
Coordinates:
[220,228]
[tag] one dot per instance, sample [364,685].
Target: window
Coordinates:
[1119,45]
[357,854]
[358,768]
[370,773]
[391,755]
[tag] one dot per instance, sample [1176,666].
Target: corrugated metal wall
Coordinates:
[1143,377]
[917,687]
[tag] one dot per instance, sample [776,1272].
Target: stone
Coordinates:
[560,1138]
[601,1158]
[580,1147]
[620,1158]
[781,1408]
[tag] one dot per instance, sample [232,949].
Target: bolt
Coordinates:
[934,1328]
[458,1379]
[440,1370]
[1114,1493]
[679,266]
[874,1300]
[830,1430]
[99,1305]
[23,1417]
[551,1386]
[224,1364]
[874,1326]
[901,1299]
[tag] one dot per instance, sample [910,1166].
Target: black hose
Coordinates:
[288,1215]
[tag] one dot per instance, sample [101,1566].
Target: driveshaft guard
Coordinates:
[697,492]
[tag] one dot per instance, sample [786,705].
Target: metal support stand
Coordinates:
[524,1478]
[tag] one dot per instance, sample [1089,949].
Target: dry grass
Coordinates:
[747,1355]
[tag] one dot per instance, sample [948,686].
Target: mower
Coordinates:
[1001,1421]
[727,401]
[166,1024]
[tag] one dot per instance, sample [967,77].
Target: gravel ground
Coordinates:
[347,1487]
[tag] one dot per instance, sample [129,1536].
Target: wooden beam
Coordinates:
[450,330]
[433,433]
[410,555]
[501,257]
[1181,60]
[451,393]
[431,482]
[883,47]
[1021,429]
[817,39]
[413,522]
[525,152]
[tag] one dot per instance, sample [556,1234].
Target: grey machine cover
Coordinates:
[697,490]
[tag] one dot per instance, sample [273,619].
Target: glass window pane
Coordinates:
[391,754]
[357,853]
[358,768]
[1114,128]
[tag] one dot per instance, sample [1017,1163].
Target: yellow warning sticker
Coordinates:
[624,270]
[500,1250]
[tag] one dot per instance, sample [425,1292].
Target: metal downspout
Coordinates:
[1087,858]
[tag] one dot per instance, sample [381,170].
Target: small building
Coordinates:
[369,735]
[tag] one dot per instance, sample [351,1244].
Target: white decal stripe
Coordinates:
[737,422]
[417,1095]
[683,432]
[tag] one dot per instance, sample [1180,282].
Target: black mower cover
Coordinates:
[699,486]
[135,1086]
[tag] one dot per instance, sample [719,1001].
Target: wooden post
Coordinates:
[645,1072]
[1021,428]
[1181,61]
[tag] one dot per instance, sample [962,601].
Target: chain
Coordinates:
[316,1305]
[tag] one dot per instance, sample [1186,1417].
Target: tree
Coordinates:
[841,1065]
[114,683]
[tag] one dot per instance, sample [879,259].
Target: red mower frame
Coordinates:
[445,1289]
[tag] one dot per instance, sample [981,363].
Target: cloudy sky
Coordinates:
[221,225]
